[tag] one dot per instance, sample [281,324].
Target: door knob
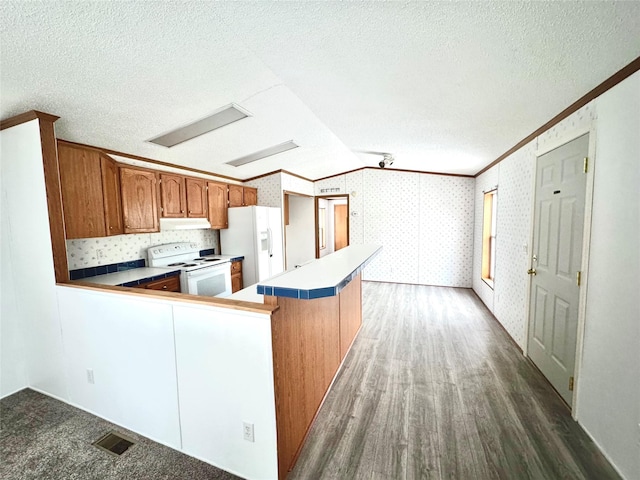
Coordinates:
[531,271]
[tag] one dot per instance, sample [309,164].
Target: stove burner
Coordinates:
[177,264]
[212,259]
[199,258]
[190,265]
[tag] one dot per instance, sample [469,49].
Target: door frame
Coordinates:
[586,242]
[317,228]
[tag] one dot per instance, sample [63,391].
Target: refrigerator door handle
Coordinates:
[270,240]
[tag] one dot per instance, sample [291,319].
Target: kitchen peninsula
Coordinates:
[200,369]
[318,317]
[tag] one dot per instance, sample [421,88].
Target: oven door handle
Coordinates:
[270,241]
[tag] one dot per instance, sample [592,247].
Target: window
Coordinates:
[489,236]
[322,223]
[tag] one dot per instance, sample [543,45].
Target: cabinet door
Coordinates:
[172,195]
[139,200]
[236,195]
[169,284]
[250,196]
[218,204]
[196,198]
[81,185]
[111,196]
[236,283]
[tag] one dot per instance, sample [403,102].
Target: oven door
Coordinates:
[214,281]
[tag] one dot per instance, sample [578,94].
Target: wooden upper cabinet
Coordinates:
[240,196]
[250,195]
[90,187]
[236,195]
[139,200]
[196,197]
[111,196]
[81,184]
[173,196]
[218,202]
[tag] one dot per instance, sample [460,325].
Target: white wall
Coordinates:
[215,399]
[31,342]
[609,384]
[162,369]
[128,344]
[300,233]
[269,190]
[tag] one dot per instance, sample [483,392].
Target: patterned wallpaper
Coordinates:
[424,222]
[508,299]
[391,219]
[513,240]
[81,253]
[582,119]
[354,185]
[269,190]
[446,230]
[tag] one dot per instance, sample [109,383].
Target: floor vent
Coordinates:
[113,443]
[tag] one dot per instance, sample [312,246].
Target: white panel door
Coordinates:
[556,262]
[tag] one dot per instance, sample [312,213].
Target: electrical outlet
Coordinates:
[99,254]
[90,376]
[247,431]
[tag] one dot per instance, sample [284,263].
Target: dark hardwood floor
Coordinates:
[434,388]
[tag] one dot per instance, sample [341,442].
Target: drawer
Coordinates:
[169,284]
[236,267]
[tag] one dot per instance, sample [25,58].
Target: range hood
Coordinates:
[167,224]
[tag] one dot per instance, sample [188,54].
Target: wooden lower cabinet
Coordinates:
[169,284]
[236,276]
[310,338]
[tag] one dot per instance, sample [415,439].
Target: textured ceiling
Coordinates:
[444,86]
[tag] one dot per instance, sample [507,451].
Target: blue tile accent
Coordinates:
[81,273]
[260,289]
[286,292]
[237,259]
[322,292]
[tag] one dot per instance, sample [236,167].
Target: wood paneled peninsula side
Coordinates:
[318,317]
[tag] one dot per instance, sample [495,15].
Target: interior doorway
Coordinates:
[556,263]
[332,224]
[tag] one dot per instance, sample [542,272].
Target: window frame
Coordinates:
[489,235]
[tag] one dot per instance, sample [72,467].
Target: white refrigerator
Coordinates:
[256,233]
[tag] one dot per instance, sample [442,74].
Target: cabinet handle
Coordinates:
[164,287]
[181,211]
[128,226]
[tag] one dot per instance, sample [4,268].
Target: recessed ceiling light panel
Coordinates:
[267,152]
[221,117]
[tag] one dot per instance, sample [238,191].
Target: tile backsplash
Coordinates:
[83,252]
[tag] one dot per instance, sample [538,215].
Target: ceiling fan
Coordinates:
[387,158]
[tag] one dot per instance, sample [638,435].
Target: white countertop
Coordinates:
[323,277]
[128,276]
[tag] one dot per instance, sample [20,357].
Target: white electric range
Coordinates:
[209,275]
